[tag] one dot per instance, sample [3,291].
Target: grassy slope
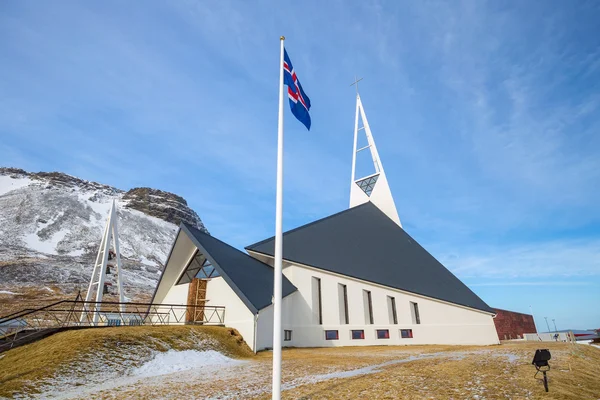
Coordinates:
[453,372]
[485,372]
[574,375]
[23,367]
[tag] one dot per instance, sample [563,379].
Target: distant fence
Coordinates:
[549,337]
[67,314]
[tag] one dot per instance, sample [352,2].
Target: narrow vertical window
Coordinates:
[317,307]
[414,310]
[368,304]
[343,302]
[392,310]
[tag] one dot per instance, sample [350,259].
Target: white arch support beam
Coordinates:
[373,187]
[101,270]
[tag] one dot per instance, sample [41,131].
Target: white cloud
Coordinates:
[551,259]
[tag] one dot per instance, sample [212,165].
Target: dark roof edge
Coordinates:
[166,262]
[307,225]
[490,309]
[226,277]
[492,312]
[215,264]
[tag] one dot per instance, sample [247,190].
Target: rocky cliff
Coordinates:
[51,225]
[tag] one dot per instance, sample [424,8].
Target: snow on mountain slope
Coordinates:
[51,226]
[8,184]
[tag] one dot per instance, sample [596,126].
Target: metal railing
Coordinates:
[71,314]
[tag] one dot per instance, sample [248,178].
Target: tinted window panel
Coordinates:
[358,334]
[331,335]
[383,334]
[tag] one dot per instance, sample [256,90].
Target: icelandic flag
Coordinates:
[299,101]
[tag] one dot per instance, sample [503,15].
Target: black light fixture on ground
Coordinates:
[540,360]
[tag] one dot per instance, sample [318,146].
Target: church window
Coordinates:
[368,304]
[198,267]
[406,333]
[343,302]
[368,184]
[392,310]
[331,335]
[287,335]
[414,310]
[316,298]
[358,334]
[383,333]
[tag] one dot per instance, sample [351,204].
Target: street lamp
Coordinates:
[546,318]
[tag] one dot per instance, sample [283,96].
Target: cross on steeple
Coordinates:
[356,80]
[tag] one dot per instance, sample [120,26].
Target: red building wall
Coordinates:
[512,325]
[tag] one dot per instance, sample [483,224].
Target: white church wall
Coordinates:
[382,198]
[218,293]
[237,315]
[264,328]
[177,295]
[441,323]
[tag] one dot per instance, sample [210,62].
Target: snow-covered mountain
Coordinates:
[51,225]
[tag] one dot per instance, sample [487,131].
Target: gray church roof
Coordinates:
[362,242]
[251,279]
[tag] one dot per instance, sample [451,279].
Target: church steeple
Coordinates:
[374,186]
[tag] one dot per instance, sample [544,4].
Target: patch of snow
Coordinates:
[176,361]
[82,380]
[76,253]
[48,289]
[145,261]
[371,369]
[588,342]
[7,292]
[33,241]
[8,184]
[101,207]
[511,357]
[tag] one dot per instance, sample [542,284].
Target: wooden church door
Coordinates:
[196,300]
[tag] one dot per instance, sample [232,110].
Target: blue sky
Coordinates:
[486,117]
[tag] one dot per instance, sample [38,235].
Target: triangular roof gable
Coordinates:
[362,242]
[249,278]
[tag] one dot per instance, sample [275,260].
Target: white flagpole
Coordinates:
[278,243]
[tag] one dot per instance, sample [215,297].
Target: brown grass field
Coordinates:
[408,372]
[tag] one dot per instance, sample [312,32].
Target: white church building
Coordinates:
[355,278]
